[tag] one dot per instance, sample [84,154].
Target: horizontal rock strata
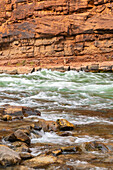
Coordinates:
[45,33]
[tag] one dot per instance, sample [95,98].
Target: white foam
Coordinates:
[52,137]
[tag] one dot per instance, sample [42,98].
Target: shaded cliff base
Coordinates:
[106,66]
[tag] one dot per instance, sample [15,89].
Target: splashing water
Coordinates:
[48,89]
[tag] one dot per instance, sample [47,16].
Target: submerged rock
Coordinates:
[8,156]
[64,125]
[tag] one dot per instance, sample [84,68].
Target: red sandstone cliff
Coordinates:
[55,32]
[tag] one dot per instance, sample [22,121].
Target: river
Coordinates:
[85,99]
[61,95]
[52,90]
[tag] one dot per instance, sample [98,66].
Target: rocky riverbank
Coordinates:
[22,147]
[96,67]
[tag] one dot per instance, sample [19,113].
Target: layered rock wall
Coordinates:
[55,33]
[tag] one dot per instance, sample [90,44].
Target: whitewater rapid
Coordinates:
[48,89]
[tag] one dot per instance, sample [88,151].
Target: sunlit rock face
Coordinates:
[54,32]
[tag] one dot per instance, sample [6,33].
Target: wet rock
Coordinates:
[41,161]
[25,155]
[93,67]
[57,152]
[66,133]
[109,159]
[47,125]
[37,128]
[12,110]
[18,167]
[18,117]
[8,156]
[7,118]
[26,129]
[71,149]
[30,111]
[64,125]
[83,165]
[109,146]
[18,135]
[61,167]
[95,146]
[21,147]
[67,150]
[18,111]
[11,138]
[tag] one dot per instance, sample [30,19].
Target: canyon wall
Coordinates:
[51,33]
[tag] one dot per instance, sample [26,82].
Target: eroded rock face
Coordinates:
[43,33]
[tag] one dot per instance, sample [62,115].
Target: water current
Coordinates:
[48,89]
[56,94]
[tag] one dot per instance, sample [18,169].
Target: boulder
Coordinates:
[8,156]
[64,125]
